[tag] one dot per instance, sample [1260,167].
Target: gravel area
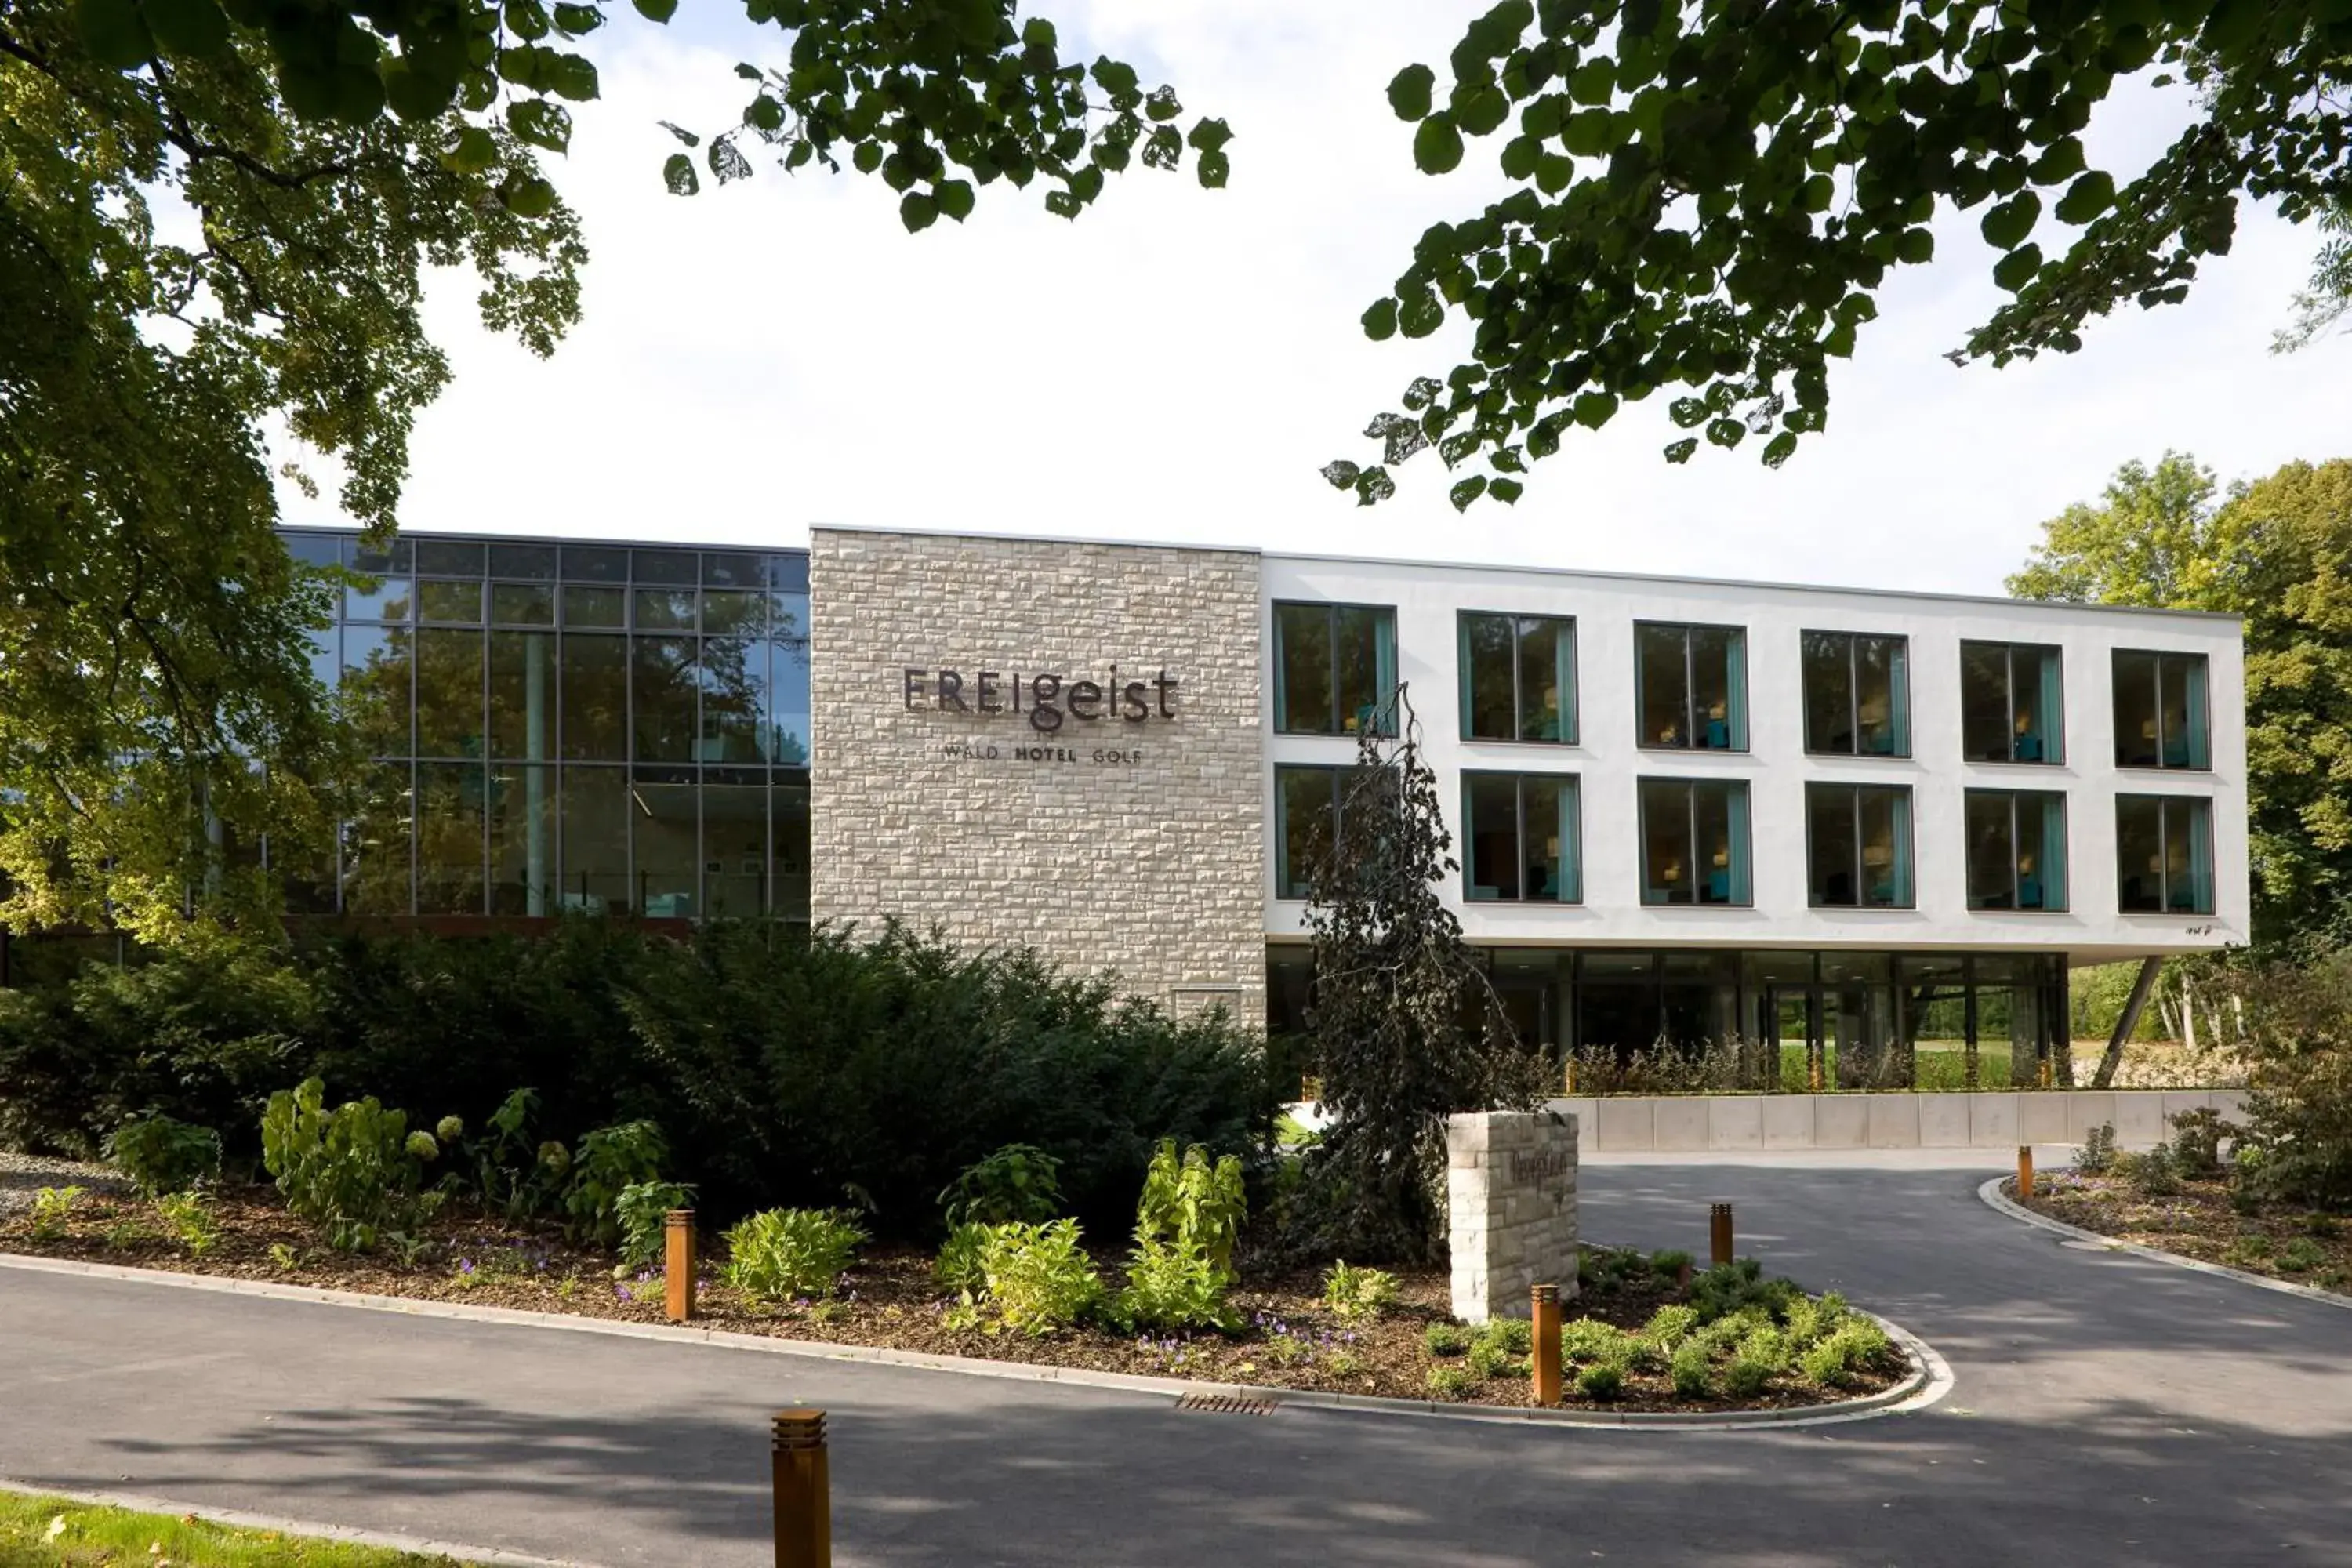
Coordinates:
[22,1175]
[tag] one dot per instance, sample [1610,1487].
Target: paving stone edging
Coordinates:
[2002,1202]
[1930,1377]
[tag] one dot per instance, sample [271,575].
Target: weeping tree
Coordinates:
[1406,1025]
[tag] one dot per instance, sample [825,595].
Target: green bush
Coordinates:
[1017,1184]
[2154,1174]
[1668,1265]
[1358,1295]
[608,1162]
[1453,1382]
[1515,1335]
[1670,1325]
[1187,1222]
[1591,1340]
[191,1219]
[1603,1380]
[1729,1288]
[51,1208]
[1445,1339]
[1492,1358]
[1745,1378]
[959,1268]
[347,1171]
[2301,1256]
[2197,1138]
[1693,1370]
[642,1211]
[780,1255]
[2096,1157]
[1039,1277]
[2297,1146]
[1173,1285]
[161,1155]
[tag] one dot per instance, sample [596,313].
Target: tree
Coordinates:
[1406,1027]
[2278,553]
[2329,299]
[1711,194]
[214,219]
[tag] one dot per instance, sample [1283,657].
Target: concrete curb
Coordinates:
[1929,1380]
[239,1519]
[2002,1202]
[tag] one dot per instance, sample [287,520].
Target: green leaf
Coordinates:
[2007,223]
[541,123]
[764,113]
[2060,160]
[1421,315]
[727,161]
[527,20]
[660,10]
[1213,169]
[1778,449]
[193,27]
[1341,475]
[570,76]
[1508,491]
[866,157]
[1381,321]
[954,198]
[1163,149]
[1437,145]
[529,197]
[918,211]
[1590,133]
[1915,245]
[1409,89]
[2086,198]
[1680,451]
[1468,490]
[743,69]
[1482,112]
[473,151]
[1162,105]
[412,94]
[1209,135]
[2016,270]
[1037,33]
[1061,204]
[1593,409]
[578,20]
[681,132]
[678,173]
[114,32]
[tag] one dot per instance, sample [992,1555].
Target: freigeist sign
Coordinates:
[1045,700]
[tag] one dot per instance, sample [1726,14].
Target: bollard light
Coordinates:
[2025,1170]
[1546,1314]
[1718,1226]
[677,1265]
[802,1488]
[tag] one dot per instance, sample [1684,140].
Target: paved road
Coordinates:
[2109,1410]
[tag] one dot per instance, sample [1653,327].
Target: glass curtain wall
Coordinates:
[569,727]
[2160,711]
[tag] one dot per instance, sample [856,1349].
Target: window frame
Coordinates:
[2205,874]
[1382,708]
[2063,882]
[1899,676]
[1571,706]
[1572,849]
[2055,723]
[2200,666]
[1284,890]
[1735,720]
[1745,794]
[1907,851]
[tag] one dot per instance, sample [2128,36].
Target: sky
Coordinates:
[1178,363]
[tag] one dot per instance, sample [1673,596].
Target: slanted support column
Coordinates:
[1510,1209]
[2125,1025]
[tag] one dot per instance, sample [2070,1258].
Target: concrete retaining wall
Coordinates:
[1768,1122]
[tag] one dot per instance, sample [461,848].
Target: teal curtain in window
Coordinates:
[1736,810]
[1564,669]
[1384,656]
[1462,676]
[2052,714]
[1901,814]
[2200,853]
[2054,852]
[1734,674]
[1571,852]
[2200,746]
[1899,696]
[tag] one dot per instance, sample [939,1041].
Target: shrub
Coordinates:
[1186,1223]
[1603,1380]
[191,1219]
[1729,1288]
[161,1155]
[777,1254]
[1669,1265]
[2248,1251]
[1745,1378]
[52,1207]
[2155,1174]
[1825,1364]
[609,1161]
[1453,1382]
[2197,1138]
[1515,1336]
[1491,1358]
[1358,1295]
[642,1211]
[347,1171]
[1445,1339]
[1039,1276]
[2096,1157]
[959,1268]
[1670,1325]
[1692,1371]
[2299,1080]
[1017,1184]
[1590,1339]
[1173,1285]
[1766,1345]
[2301,1256]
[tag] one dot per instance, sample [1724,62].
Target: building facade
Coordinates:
[1686,810]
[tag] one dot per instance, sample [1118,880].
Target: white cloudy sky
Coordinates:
[1179,362]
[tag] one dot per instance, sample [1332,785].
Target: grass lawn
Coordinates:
[49,1532]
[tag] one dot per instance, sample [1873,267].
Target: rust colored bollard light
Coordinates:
[1546,1343]
[803,1500]
[1718,1229]
[677,1265]
[2025,1170]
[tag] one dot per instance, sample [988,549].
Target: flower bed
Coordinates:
[1744,1344]
[2201,1220]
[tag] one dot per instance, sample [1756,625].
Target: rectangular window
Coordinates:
[1519,833]
[1858,846]
[2016,849]
[450,798]
[522,839]
[2160,714]
[1519,678]
[449,694]
[450,604]
[596,685]
[2011,703]
[1693,686]
[1305,813]
[596,840]
[522,694]
[735,842]
[2164,854]
[1857,694]
[1334,668]
[1694,842]
[375,689]
[663,676]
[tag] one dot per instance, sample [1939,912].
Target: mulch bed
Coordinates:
[2300,1245]
[1288,1337]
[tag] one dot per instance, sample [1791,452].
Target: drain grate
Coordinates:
[1225,1404]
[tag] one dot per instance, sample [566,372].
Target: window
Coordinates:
[1306,813]
[2164,854]
[1334,668]
[1857,694]
[1694,842]
[1519,678]
[1693,686]
[1519,835]
[2160,711]
[2016,849]
[2010,704]
[1858,846]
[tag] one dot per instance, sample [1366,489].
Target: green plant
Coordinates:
[1591,1340]
[2154,1174]
[641,1210]
[1187,1222]
[346,1170]
[1358,1295]
[608,1162]
[1444,1339]
[1670,1325]
[283,1257]
[127,1232]
[1513,1336]
[161,1155]
[1730,1288]
[1745,1377]
[1172,1285]
[1343,1362]
[1669,1265]
[191,1219]
[2248,1251]
[1603,1380]
[1453,1382]
[779,1253]
[958,1265]
[52,1207]
[1766,1345]
[1492,1358]
[2197,1138]
[2325,1226]
[2096,1157]
[1825,1364]
[1039,1277]
[1019,1183]
[512,1174]
[1692,1371]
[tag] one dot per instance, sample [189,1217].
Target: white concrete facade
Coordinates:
[1606,759]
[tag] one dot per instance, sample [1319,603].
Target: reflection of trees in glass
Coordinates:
[662,687]
[596,698]
[375,843]
[449,693]
[522,695]
[375,687]
[449,838]
[734,680]
[789,703]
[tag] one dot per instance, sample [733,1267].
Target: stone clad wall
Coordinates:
[1510,1196]
[1137,847]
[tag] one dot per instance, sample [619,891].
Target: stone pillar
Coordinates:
[1510,1200]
